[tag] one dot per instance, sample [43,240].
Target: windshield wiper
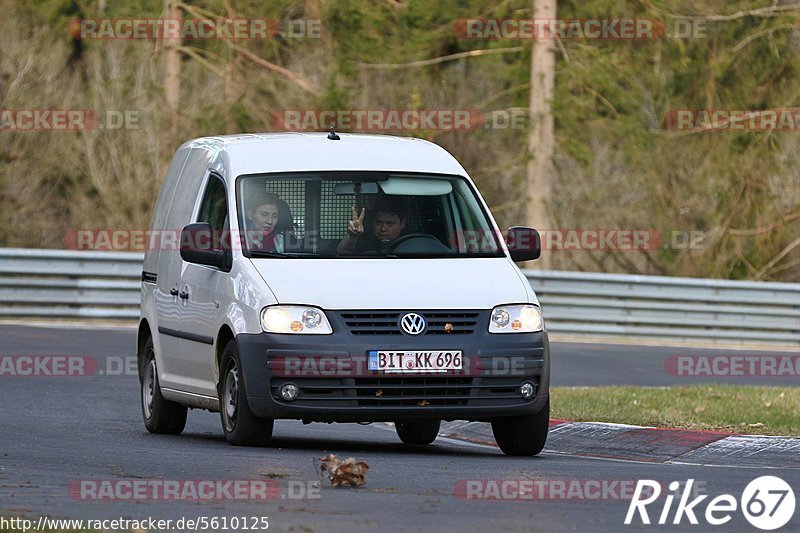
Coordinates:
[443,255]
[261,253]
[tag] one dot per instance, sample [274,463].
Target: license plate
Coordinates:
[415,361]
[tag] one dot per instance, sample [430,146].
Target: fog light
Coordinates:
[527,390]
[289,392]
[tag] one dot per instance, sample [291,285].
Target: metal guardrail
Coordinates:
[106,285]
[657,307]
[68,284]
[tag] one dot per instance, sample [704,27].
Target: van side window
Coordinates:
[214,208]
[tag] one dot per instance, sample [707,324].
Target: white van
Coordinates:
[337,278]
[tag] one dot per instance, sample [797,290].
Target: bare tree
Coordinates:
[172,59]
[541,142]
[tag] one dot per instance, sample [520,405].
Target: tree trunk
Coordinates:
[233,90]
[541,142]
[172,60]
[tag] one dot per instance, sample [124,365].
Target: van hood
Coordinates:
[340,284]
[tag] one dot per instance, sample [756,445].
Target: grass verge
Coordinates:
[729,408]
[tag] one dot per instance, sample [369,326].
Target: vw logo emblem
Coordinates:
[412,323]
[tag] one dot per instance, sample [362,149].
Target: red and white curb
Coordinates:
[651,445]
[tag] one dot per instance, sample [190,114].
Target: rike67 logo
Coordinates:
[767,502]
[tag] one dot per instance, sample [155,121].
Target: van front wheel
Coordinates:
[241,426]
[522,435]
[417,431]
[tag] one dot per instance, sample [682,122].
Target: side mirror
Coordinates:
[525,244]
[197,246]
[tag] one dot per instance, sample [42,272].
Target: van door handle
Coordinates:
[184,295]
[173,291]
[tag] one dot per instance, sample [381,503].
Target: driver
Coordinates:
[388,222]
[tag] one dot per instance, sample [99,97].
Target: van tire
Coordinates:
[240,425]
[522,435]
[417,431]
[160,415]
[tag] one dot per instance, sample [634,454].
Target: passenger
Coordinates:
[269,218]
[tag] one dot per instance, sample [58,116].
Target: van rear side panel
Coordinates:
[158,221]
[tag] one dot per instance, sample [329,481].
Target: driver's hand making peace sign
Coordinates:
[355,229]
[355,226]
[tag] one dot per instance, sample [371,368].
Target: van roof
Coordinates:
[253,153]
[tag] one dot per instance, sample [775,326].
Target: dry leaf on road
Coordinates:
[347,473]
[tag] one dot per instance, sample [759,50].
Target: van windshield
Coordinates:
[362,214]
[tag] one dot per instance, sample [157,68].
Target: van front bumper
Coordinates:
[335,384]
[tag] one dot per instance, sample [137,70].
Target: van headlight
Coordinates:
[516,319]
[295,319]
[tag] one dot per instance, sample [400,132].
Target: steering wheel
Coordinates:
[418,242]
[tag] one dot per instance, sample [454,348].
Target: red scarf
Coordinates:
[267,243]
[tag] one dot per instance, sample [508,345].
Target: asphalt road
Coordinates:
[56,432]
[573,364]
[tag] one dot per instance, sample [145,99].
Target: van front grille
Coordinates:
[388,322]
